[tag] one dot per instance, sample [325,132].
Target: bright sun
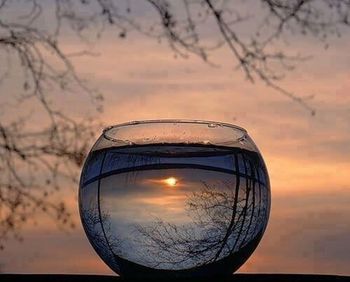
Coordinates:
[171,181]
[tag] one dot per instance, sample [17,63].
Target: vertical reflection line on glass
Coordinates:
[256,171]
[99,203]
[256,182]
[250,186]
[235,204]
[244,210]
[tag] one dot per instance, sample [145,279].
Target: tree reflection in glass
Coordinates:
[176,206]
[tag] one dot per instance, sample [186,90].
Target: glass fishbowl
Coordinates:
[180,199]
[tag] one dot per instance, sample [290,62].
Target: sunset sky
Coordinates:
[308,157]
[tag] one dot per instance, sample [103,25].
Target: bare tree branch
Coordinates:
[58,148]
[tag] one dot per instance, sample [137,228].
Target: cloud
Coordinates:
[306,234]
[307,157]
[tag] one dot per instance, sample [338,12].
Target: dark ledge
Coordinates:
[235,278]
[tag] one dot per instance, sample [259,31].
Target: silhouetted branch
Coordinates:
[221,224]
[45,67]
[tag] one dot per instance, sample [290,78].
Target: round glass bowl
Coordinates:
[167,199]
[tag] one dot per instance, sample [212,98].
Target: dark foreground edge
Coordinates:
[234,278]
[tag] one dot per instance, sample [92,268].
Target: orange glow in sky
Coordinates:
[307,157]
[171,181]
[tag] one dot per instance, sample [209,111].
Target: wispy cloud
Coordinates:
[308,157]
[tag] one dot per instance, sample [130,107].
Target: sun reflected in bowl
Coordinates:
[171,181]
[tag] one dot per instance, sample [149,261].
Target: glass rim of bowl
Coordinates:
[110,132]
